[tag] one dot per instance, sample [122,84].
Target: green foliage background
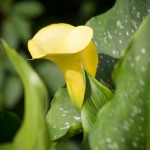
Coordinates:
[116,110]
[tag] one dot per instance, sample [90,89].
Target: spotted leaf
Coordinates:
[63,118]
[112,32]
[124,122]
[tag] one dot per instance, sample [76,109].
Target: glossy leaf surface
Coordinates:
[64,119]
[96,95]
[112,32]
[124,122]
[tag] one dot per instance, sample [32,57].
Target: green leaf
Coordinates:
[33,134]
[112,32]
[9,32]
[96,95]
[12,91]
[124,122]
[64,119]
[22,27]
[50,73]
[16,28]
[28,9]
[67,145]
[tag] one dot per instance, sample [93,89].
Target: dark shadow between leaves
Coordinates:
[105,68]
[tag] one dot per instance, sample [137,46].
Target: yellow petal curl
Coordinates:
[68,47]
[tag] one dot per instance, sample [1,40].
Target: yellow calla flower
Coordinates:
[68,47]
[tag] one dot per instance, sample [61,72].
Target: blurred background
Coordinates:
[19,21]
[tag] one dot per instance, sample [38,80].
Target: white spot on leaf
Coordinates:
[138,14]
[143,69]
[126,125]
[76,118]
[135,144]
[137,58]
[113,146]
[142,83]
[61,108]
[127,33]
[120,25]
[143,51]
[108,140]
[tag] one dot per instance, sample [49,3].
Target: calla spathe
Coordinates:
[68,47]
